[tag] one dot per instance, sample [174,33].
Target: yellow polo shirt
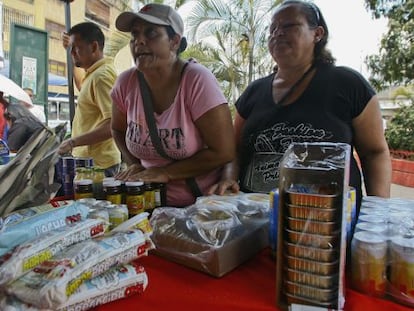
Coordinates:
[95,106]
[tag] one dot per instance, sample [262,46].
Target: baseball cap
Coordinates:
[159,14]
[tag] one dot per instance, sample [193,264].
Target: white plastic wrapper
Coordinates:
[139,221]
[29,254]
[26,224]
[117,283]
[50,284]
[247,206]
[8,303]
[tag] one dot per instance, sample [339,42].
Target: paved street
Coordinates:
[398,191]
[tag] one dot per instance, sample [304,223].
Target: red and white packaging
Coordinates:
[50,284]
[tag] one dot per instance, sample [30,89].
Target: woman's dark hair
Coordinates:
[314,18]
[183,43]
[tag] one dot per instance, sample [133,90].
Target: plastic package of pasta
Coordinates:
[35,251]
[51,283]
[116,283]
[26,224]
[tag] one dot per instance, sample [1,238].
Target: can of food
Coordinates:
[369,263]
[402,268]
[376,228]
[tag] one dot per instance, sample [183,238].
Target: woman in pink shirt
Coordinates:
[192,117]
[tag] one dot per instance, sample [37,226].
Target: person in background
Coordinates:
[91,127]
[191,113]
[306,99]
[21,124]
[36,110]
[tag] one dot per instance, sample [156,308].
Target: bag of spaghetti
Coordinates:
[51,283]
[31,253]
[29,223]
[116,283]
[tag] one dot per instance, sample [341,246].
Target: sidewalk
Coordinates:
[398,191]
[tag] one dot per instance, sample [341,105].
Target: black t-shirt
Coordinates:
[323,113]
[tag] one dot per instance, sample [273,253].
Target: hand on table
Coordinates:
[224,185]
[137,172]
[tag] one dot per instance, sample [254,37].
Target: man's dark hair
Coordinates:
[89,32]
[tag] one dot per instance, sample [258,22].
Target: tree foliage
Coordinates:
[395,61]
[234,33]
[400,132]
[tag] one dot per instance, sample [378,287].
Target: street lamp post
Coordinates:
[69,64]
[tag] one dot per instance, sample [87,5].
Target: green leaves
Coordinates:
[395,60]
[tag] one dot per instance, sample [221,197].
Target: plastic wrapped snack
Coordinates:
[117,283]
[35,251]
[8,303]
[249,206]
[26,224]
[51,283]
[139,221]
[208,236]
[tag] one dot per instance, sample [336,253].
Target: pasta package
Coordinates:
[26,224]
[29,254]
[51,283]
[116,283]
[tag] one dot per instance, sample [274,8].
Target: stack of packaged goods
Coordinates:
[313,217]
[62,259]
[382,253]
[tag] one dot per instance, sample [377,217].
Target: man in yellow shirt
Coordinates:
[91,127]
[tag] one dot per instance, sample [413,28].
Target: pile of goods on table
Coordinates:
[63,258]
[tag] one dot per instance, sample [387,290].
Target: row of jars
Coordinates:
[138,196]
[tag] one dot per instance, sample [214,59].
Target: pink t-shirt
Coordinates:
[198,93]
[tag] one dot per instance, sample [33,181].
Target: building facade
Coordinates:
[49,15]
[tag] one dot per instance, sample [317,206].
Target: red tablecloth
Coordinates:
[251,287]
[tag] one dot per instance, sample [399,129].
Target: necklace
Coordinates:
[294,86]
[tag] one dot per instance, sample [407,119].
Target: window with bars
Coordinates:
[97,11]
[58,68]
[11,16]
[55,30]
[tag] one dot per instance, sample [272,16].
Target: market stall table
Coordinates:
[250,287]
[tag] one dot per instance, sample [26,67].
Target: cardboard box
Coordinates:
[215,261]
[311,248]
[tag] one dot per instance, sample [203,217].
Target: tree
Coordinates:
[395,61]
[234,34]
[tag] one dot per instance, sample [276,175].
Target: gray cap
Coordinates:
[154,13]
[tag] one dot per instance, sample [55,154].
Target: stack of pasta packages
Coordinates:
[62,259]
